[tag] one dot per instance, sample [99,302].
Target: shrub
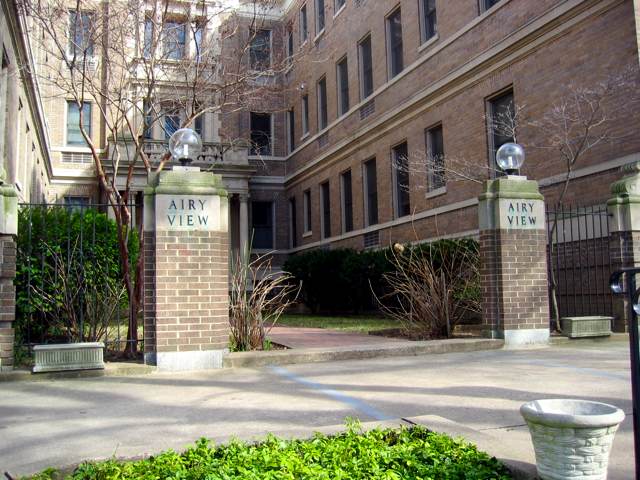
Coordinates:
[68,278]
[378,454]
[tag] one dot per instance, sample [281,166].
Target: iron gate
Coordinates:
[69,285]
[579,260]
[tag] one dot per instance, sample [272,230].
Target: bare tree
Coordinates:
[144,63]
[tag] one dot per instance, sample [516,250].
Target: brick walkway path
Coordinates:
[294,337]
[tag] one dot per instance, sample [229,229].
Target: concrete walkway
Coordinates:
[61,422]
[299,337]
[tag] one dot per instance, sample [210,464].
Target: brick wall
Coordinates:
[513,275]
[186,291]
[7,299]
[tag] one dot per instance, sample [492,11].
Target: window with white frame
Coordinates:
[174,36]
[435,158]
[306,200]
[171,120]
[320,18]
[325,210]
[339,4]
[81,30]
[74,133]
[400,162]
[304,24]
[366,67]
[394,43]
[428,19]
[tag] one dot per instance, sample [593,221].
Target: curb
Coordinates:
[112,369]
[614,337]
[314,355]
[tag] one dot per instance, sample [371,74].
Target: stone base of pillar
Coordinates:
[185,361]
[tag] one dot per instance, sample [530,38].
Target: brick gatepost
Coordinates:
[8,233]
[513,270]
[186,267]
[624,234]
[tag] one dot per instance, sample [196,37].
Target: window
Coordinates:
[347,201]
[319,16]
[173,40]
[148,119]
[323,119]
[260,50]
[370,193]
[325,205]
[291,130]
[74,135]
[400,160]
[80,30]
[500,128]
[339,4]
[198,125]
[429,19]
[394,43]
[305,114]
[75,203]
[435,159]
[289,46]
[198,39]
[293,227]
[306,197]
[487,4]
[262,224]
[343,86]
[171,123]
[261,133]
[148,38]
[304,25]
[366,67]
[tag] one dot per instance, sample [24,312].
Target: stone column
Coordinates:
[244,223]
[8,232]
[624,234]
[513,253]
[186,249]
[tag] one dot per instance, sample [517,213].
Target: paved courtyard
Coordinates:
[60,422]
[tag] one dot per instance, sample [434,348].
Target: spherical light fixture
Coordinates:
[510,157]
[185,145]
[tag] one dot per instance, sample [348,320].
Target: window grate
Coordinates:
[372,239]
[75,157]
[367,109]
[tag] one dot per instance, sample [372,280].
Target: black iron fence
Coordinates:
[579,260]
[69,282]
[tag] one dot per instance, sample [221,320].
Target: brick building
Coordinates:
[378,103]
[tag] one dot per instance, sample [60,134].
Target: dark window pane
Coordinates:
[307,211]
[171,124]
[260,133]
[148,38]
[319,15]
[371,195]
[322,104]
[347,201]
[343,85]
[501,122]
[305,114]
[396,62]
[304,27]
[293,222]
[487,4]
[260,50]
[262,223]
[291,123]
[80,33]
[173,40]
[366,64]
[401,165]
[340,4]
[435,148]
[326,210]
[430,20]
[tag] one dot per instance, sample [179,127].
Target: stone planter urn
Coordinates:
[595,326]
[71,356]
[571,438]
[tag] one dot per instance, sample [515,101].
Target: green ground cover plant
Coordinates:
[408,453]
[349,323]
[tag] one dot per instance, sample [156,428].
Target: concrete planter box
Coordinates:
[71,356]
[576,327]
[571,438]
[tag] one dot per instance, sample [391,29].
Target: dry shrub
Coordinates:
[433,287]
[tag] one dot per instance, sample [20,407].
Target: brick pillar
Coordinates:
[186,255]
[624,234]
[513,253]
[8,232]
